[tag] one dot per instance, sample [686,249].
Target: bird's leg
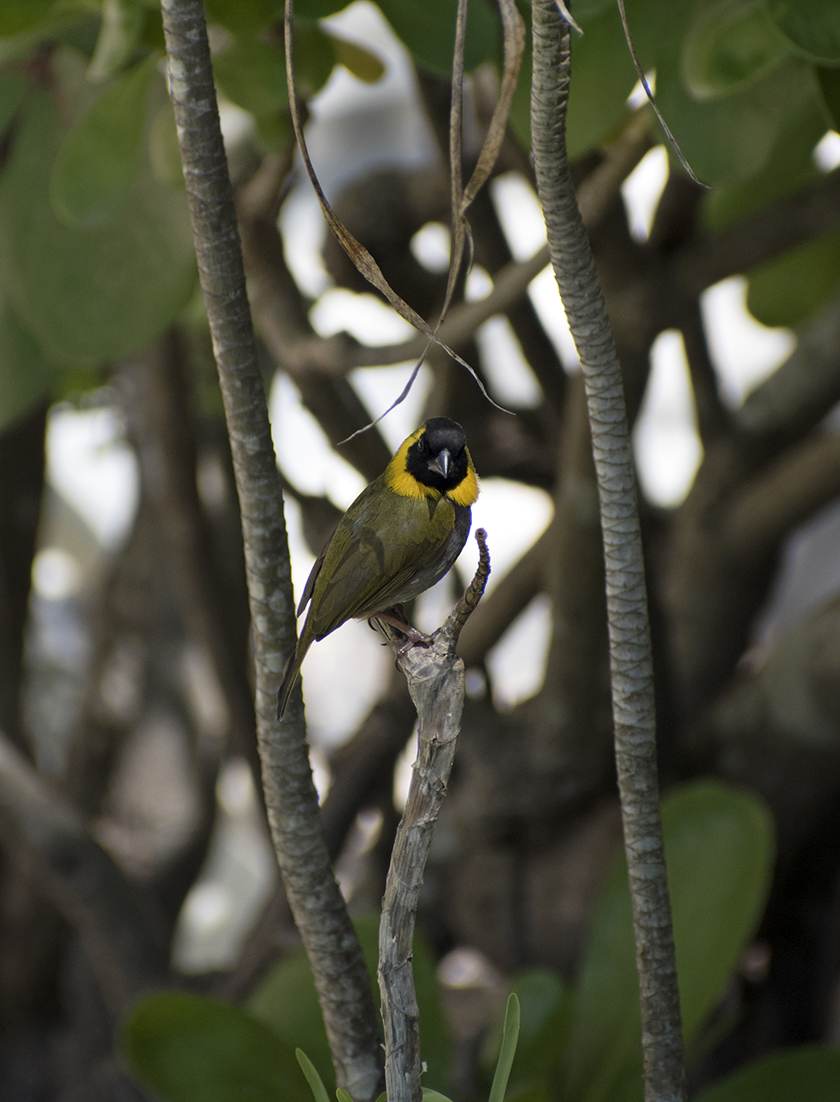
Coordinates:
[396,618]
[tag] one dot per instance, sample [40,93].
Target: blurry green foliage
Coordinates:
[577,1044]
[96,252]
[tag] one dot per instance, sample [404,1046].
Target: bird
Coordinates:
[401,535]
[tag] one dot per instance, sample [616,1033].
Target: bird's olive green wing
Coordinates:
[379,546]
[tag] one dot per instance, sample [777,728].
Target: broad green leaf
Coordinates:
[192,1049]
[122,25]
[13,89]
[164,154]
[731,139]
[812,25]
[88,294]
[719,849]
[603,78]
[790,168]
[829,84]
[794,1075]
[287,1003]
[428,30]
[244,16]
[314,59]
[318,9]
[730,44]
[21,15]
[100,159]
[26,375]
[252,74]
[791,288]
[358,60]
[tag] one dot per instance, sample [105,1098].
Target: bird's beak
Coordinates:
[442,462]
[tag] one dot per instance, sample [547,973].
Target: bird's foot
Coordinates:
[413,638]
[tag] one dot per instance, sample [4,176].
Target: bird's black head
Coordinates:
[438,457]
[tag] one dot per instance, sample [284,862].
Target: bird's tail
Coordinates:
[290,676]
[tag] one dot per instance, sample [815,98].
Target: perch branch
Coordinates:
[435,678]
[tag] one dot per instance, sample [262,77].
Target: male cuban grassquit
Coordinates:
[400,536]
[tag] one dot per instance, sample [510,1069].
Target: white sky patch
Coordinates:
[378,387]
[665,441]
[520,213]
[512,381]
[303,452]
[431,245]
[547,303]
[744,352]
[93,468]
[517,662]
[827,152]
[365,317]
[514,516]
[642,190]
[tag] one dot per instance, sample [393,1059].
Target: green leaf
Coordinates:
[546,1005]
[730,44]
[192,1049]
[26,375]
[811,25]
[244,16]
[719,850]
[316,1083]
[510,1036]
[791,288]
[286,1001]
[20,15]
[13,89]
[428,30]
[89,293]
[358,60]
[318,9]
[314,59]
[99,160]
[252,74]
[604,77]
[342,1095]
[794,1075]
[122,24]
[731,139]
[828,80]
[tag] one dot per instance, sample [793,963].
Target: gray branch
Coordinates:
[435,678]
[290,796]
[630,647]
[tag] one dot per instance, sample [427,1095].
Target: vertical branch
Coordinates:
[291,800]
[435,677]
[630,647]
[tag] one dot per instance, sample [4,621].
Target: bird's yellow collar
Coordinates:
[404,483]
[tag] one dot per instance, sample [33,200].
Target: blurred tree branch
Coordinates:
[291,800]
